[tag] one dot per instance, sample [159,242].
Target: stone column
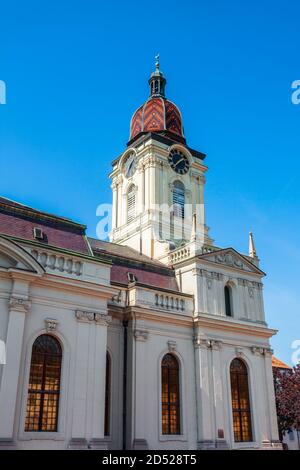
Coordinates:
[98,371]
[139,441]
[89,385]
[205,429]
[19,306]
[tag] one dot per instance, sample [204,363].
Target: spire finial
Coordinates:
[157,61]
[252,250]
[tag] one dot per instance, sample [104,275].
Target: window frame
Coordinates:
[59,435]
[178,403]
[242,443]
[42,391]
[178,207]
[228,301]
[131,217]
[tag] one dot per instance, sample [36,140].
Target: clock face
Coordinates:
[179,162]
[130,165]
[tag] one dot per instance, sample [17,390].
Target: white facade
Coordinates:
[201,304]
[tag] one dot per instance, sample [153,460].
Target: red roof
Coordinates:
[151,279]
[277,363]
[157,114]
[19,221]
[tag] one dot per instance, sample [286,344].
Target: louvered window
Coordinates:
[131,203]
[178,199]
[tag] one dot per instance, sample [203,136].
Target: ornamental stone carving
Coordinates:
[141,335]
[206,343]
[51,324]
[239,352]
[88,317]
[172,346]
[215,345]
[208,274]
[230,260]
[19,304]
[259,351]
[268,352]
[102,319]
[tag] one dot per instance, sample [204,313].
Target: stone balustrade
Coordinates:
[53,262]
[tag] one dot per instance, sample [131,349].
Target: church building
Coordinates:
[154,340]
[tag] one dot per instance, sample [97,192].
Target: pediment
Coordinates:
[13,256]
[231,258]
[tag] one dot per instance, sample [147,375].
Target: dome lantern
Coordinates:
[157,81]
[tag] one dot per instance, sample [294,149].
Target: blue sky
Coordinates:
[75,72]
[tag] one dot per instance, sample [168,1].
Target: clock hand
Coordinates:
[179,161]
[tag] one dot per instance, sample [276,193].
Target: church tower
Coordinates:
[158,182]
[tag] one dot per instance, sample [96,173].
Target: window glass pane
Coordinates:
[241,412]
[44,385]
[170,395]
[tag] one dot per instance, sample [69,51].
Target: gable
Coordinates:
[14,256]
[231,258]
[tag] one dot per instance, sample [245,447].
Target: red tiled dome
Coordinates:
[157,114]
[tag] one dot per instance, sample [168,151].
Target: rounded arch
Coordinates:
[125,155]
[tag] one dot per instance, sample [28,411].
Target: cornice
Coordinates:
[205,321]
[77,286]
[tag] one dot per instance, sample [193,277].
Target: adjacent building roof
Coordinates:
[277,363]
[19,221]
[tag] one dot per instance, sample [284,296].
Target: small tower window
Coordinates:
[178,199]
[131,203]
[228,301]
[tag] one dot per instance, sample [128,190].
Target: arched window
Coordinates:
[131,203]
[178,199]
[44,385]
[241,411]
[228,301]
[107,395]
[170,395]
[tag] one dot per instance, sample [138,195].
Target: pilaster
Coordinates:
[19,307]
